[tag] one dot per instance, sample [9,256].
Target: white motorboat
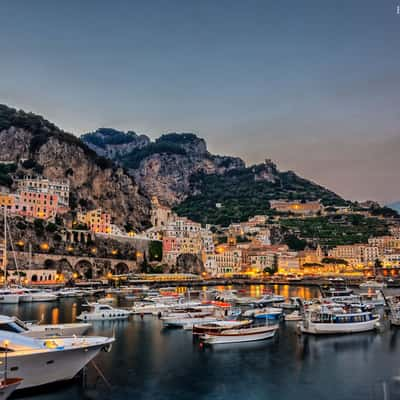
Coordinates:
[371,284]
[188,322]
[99,312]
[293,304]
[268,299]
[30,329]
[294,316]
[42,295]
[39,362]
[336,321]
[71,292]
[240,335]
[264,313]
[8,296]
[8,386]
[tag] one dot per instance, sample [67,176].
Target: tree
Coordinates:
[155,250]
[295,243]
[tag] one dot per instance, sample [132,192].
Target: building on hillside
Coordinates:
[395,231]
[356,253]
[44,185]
[7,200]
[97,220]
[391,260]
[385,242]
[226,260]
[297,207]
[160,215]
[288,262]
[36,205]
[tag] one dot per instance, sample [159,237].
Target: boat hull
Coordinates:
[8,387]
[338,328]
[9,298]
[225,338]
[41,368]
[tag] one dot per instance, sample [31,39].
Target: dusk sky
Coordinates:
[313,85]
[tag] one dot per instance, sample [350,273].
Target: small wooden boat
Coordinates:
[8,387]
[240,335]
[219,326]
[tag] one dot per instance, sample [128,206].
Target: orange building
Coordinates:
[36,205]
[97,220]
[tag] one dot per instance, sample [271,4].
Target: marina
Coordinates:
[148,360]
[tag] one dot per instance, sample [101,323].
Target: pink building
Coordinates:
[36,205]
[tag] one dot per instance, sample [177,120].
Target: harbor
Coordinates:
[150,359]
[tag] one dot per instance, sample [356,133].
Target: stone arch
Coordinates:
[65,267]
[84,268]
[34,278]
[121,268]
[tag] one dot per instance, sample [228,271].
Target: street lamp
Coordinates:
[44,246]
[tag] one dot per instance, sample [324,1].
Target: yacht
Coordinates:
[189,321]
[268,299]
[13,324]
[240,335]
[335,320]
[39,362]
[70,292]
[100,312]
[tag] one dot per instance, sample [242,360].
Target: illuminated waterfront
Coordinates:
[147,362]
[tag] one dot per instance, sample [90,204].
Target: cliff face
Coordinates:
[58,155]
[164,167]
[112,143]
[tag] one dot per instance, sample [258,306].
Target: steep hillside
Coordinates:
[164,167]
[39,147]
[245,192]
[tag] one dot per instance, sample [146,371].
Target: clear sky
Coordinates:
[314,85]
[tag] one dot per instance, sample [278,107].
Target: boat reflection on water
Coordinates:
[261,345]
[318,346]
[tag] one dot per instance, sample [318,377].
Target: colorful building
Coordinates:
[96,220]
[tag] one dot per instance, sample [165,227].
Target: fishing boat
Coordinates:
[100,312]
[30,329]
[240,335]
[271,313]
[39,362]
[372,284]
[219,326]
[327,320]
[8,386]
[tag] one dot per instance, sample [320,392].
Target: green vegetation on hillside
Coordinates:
[333,231]
[5,170]
[242,196]
[108,136]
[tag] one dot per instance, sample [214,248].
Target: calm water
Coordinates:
[147,362]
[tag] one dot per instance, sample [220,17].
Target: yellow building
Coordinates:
[96,220]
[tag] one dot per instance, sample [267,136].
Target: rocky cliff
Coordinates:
[39,147]
[164,167]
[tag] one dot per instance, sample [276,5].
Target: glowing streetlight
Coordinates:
[45,246]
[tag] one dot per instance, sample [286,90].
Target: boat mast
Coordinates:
[5,247]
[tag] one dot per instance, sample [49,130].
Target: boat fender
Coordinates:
[107,348]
